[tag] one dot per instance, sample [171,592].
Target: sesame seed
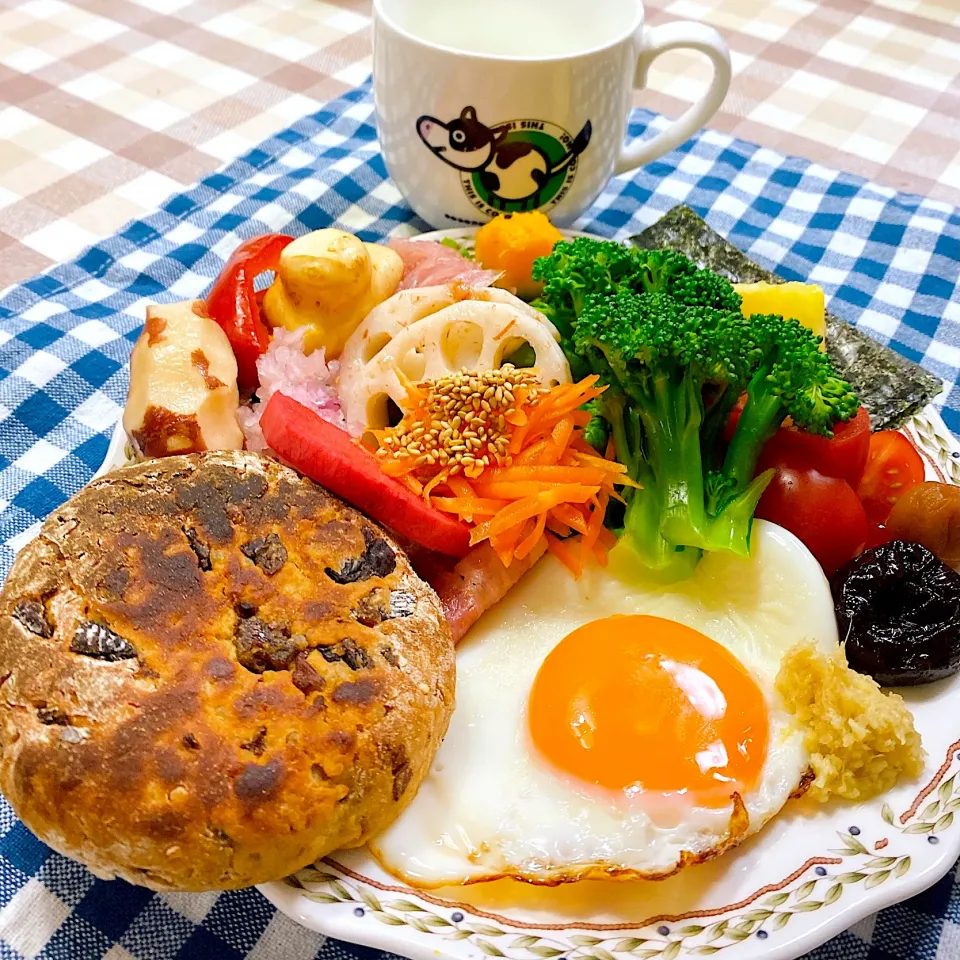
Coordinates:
[466,427]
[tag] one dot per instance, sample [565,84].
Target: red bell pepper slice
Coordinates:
[328,455]
[233,303]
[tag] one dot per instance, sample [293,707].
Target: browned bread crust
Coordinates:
[212,673]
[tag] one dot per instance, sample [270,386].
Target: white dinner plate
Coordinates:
[810,874]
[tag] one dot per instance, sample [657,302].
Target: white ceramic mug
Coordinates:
[488,106]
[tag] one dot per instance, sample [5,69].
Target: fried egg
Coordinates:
[606,728]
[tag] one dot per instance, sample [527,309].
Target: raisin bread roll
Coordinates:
[212,673]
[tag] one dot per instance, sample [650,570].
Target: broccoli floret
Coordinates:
[658,356]
[574,270]
[671,345]
[792,377]
[585,267]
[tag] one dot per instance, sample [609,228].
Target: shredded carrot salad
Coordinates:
[507,457]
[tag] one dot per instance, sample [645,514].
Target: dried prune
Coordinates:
[898,612]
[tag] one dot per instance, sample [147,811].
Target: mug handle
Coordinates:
[684,34]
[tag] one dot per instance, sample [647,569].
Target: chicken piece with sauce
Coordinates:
[183,395]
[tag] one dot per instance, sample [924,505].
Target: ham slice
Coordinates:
[427,263]
[471,586]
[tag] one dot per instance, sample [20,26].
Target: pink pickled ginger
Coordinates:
[285,369]
[427,263]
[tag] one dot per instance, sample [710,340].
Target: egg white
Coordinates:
[493,807]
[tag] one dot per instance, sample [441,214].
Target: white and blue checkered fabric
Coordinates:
[889,263]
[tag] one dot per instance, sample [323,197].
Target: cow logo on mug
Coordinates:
[514,166]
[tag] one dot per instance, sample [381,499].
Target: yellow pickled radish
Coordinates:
[793,301]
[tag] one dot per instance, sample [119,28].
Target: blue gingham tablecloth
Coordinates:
[889,263]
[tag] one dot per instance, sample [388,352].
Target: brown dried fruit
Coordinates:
[354,656]
[266,646]
[929,514]
[377,560]
[268,553]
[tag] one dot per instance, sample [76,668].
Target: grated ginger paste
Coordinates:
[860,739]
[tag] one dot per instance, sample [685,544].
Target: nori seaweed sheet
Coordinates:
[891,387]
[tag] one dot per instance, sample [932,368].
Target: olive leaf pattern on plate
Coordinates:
[856,863]
[930,439]
[820,887]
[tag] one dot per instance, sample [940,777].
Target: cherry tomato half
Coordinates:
[824,512]
[893,468]
[843,455]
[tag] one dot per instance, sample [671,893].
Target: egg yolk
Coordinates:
[640,703]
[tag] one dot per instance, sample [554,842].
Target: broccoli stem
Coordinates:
[671,414]
[759,421]
[642,551]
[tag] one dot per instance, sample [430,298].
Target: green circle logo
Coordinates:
[510,167]
[524,147]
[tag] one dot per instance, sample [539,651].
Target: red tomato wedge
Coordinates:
[234,304]
[844,455]
[328,455]
[893,468]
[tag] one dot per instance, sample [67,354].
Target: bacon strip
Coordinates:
[427,263]
[474,584]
